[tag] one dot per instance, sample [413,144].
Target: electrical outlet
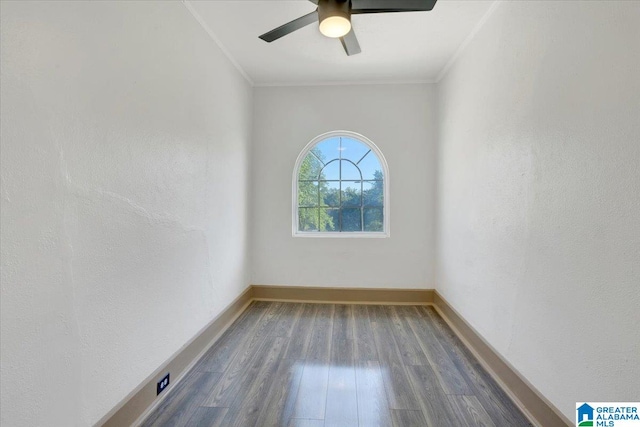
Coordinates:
[162,384]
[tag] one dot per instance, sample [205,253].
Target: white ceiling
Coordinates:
[396,47]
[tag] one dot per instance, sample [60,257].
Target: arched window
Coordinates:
[340,188]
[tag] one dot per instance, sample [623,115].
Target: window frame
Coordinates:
[342,234]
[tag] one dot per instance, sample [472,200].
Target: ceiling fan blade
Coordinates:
[387,6]
[290,27]
[350,43]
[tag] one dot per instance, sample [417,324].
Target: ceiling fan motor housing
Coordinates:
[328,8]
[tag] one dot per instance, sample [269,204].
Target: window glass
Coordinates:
[340,188]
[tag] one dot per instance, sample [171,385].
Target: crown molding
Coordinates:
[468,40]
[216,40]
[347,83]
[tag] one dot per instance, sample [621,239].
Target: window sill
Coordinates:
[342,235]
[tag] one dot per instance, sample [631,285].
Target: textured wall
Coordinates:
[539,194]
[393,117]
[125,140]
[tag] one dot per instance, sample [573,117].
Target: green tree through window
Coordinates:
[340,188]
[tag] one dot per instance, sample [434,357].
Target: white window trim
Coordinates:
[341,234]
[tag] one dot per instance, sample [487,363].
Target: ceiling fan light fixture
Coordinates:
[334,17]
[335,26]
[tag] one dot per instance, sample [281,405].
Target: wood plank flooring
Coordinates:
[322,365]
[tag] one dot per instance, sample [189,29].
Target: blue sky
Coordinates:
[350,149]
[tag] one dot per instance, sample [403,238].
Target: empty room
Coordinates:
[319,213]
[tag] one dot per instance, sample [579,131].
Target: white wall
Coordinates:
[393,117]
[125,141]
[539,194]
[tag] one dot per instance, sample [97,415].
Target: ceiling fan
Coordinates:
[335,18]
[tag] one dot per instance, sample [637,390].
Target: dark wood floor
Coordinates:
[314,365]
